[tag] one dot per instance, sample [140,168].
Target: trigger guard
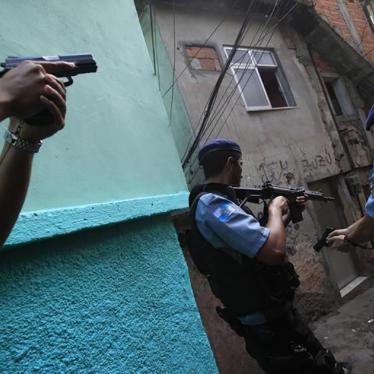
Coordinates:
[69,81]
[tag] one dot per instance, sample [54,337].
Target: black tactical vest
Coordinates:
[244,285]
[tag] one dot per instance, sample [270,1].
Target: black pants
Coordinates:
[288,346]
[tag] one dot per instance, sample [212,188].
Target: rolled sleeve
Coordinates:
[369,207]
[237,229]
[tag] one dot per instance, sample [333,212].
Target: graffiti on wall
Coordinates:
[281,171]
[276,172]
[318,162]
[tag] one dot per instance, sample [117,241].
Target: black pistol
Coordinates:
[84,63]
[322,241]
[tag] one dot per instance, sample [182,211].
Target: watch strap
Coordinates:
[22,144]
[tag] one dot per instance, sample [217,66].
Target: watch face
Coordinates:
[9,137]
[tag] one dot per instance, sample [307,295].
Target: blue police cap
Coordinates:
[370,119]
[214,145]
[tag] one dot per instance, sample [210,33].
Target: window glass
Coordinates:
[285,88]
[241,56]
[342,95]
[264,58]
[251,88]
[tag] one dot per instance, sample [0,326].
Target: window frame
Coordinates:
[342,95]
[253,65]
[367,7]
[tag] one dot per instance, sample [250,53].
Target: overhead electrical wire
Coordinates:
[173,77]
[233,106]
[228,86]
[197,52]
[248,78]
[247,65]
[153,39]
[154,36]
[261,38]
[204,110]
[216,88]
[220,109]
[187,155]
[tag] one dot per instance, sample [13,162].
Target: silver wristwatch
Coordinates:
[22,144]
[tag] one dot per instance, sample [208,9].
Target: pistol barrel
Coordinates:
[84,63]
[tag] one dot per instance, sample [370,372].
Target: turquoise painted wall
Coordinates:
[114,300]
[117,144]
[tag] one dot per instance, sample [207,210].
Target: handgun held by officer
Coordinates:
[361,231]
[35,100]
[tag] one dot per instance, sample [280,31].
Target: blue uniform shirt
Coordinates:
[369,207]
[225,225]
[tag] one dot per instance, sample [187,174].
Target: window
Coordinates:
[203,58]
[369,11]
[339,97]
[334,100]
[260,79]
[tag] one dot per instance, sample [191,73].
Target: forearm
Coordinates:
[355,225]
[15,171]
[362,230]
[277,236]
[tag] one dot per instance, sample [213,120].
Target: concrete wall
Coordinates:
[288,146]
[111,299]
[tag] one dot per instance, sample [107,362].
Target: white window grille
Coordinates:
[260,79]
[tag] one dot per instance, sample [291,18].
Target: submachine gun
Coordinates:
[268,191]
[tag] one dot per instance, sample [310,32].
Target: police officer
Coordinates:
[362,230]
[245,264]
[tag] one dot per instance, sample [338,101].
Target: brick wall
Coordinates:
[330,11]
[203,58]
